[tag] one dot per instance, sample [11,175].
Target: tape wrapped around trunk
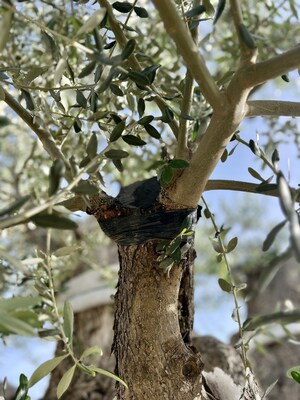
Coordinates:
[135,215]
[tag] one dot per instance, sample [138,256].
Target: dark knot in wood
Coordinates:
[191,370]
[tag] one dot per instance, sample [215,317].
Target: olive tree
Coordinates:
[128,91]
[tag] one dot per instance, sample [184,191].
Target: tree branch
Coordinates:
[187,99]
[188,50]
[133,62]
[44,136]
[273,108]
[220,184]
[247,54]
[256,74]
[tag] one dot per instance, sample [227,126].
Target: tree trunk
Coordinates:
[150,351]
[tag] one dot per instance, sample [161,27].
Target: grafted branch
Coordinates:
[254,75]
[187,48]
[273,108]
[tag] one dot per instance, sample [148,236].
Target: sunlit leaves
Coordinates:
[92,22]
[59,70]
[68,324]
[90,351]
[19,302]
[109,374]
[65,382]
[45,369]
[11,324]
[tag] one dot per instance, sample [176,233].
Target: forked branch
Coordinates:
[259,73]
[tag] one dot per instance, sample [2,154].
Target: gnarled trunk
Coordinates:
[150,351]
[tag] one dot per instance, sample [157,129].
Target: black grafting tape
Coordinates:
[141,217]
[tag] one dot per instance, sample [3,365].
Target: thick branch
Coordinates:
[257,74]
[44,136]
[189,187]
[273,108]
[133,62]
[188,50]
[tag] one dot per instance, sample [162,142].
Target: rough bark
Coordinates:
[150,352]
